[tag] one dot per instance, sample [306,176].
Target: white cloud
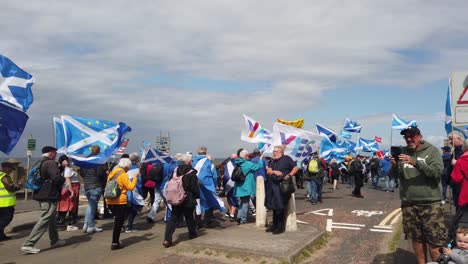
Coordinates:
[94,58]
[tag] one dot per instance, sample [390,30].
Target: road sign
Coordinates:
[459,91]
[32,144]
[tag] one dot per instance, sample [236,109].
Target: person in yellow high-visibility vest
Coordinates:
[7,198]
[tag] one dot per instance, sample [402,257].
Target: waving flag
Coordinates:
[253,132]
[155,156]
[15,85]
[297,143]
[12,123]
[399,123]
[330,150]
[208,196]
[349,145]
[352,126]
[326,132]
[298,123]
[82,133]
[377,139]
[122,147]
[367,145]
[345,135]
[59,135]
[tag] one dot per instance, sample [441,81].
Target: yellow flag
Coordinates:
[298,123]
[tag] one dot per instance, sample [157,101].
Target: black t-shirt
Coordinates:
[284,164]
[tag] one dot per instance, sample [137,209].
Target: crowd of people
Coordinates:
[420,172]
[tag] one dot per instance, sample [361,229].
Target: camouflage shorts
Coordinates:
[425,223]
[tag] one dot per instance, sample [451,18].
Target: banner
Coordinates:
[253,132]
[298,123]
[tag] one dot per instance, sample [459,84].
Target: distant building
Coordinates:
[163,143]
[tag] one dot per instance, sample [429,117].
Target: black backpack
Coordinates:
[237,175]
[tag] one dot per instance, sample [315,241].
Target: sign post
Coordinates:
[459,91]
[31,148]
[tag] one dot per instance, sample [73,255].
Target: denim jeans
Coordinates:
[308,184]
[157,200]
[389,181]
[93,196]
[243,209]
[316,194]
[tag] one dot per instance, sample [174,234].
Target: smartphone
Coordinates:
[395,151]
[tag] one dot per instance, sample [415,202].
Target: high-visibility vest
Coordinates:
[7,198]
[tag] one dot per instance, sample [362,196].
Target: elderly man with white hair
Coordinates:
[456,140]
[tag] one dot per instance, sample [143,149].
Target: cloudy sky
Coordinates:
[192,68]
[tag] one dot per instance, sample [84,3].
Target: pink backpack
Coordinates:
[175,193]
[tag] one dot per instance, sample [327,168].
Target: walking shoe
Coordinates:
[392,190]
[128,230]
[270,229]
[116,246]
[85,227]
[278,231]
[308,196]
[58,243]
[91,230]
[442,202]
[149,220]
[167,244]
[71,228]
[30,250]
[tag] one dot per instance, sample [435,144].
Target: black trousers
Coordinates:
[358,184]
[118,211]
[6,215]
[279,219]
[176,214]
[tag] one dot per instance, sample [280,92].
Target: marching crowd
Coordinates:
[418,170]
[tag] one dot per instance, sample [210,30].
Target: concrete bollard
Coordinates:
[260,218]
[291,221]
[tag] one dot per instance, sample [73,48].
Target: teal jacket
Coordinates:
[421,183]
[248,186]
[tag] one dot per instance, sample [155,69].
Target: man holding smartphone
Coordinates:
[420,168]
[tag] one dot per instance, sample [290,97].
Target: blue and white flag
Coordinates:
[82,133]
[399,123]
[448,115]
[330,150]
[352,126]
[345,135]
[367,145]
[15,85]
[12,123]
[327,132]
[155,156]
[59,135]
[349,145]
[209,199]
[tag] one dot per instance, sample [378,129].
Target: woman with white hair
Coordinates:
[118,205]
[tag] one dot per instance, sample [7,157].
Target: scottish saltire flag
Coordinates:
[326,132]
[367,145]
[253,132]
[82,133]
[448,114]
[349,145]
[345,135]
[15,85]
[330,150]
[155,156]
[59,135]
[399,123]
[352,126]
[12,123]
[209,199]
[145,146]
[377,139]
[298,143]
[123,146]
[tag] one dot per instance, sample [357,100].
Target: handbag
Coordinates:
[287,186]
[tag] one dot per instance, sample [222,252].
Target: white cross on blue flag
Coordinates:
[15,85]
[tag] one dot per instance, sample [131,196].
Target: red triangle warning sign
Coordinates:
[463,99]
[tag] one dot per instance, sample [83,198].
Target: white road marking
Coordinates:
[302,222]
[366,213]
[319,212]
[331,225]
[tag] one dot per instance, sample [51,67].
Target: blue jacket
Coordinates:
[168,170]
[385,164]
[248,186]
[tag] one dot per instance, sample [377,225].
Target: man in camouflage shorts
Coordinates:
[419,169]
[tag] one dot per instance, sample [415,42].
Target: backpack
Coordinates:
[175,193]
[237,175]
[313,166]
[35,180]
[112,190]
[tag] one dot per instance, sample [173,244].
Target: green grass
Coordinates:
[314,246]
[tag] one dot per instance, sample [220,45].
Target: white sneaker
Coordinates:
[30,250]
[443,202]
[93,230]
[58,243]
[85,228]
[72,228]
[308,196]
